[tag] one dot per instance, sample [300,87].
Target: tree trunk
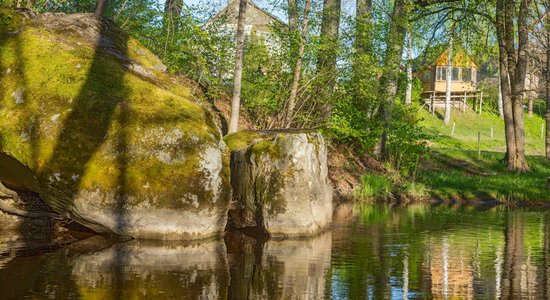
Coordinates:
[291,104]
[447,119]
[547,89]
[30,4]
[363,37]
[100,7]
[173,7]
[505,80]
[530,103]
[388,81]
[330,23]
[513,67]
[172,10]
[292,11]
[327,54]
[500,107]
[408,92]
[363,31]
[18,3]
[236,99]
[520,164]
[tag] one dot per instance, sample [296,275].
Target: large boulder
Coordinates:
[89,121]
[280,182]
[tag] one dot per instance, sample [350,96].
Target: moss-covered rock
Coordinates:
[280,182]
[110,140]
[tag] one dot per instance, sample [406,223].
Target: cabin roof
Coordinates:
[437,56]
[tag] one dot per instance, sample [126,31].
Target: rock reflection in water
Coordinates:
[138,269]
[98,268]
[278,269]
[44,276]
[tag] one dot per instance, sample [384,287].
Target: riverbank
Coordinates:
[454,171]
[463,175]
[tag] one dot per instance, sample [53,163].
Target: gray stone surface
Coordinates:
[280,184]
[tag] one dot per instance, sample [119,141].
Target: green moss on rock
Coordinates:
[102,129]
[242,139]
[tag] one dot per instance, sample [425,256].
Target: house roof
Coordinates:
[437,56]
[255,15]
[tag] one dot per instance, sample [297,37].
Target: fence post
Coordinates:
[432,98]
[464,104]
[453,131]
[480,102]
[479,144]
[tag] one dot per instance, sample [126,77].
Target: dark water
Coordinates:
[371,253]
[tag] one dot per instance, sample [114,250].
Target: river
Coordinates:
[371,252]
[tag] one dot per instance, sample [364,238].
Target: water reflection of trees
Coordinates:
[386,253]
[441,253]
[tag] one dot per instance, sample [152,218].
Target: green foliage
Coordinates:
[351,124]
[265,79]
[406,140]
[375,187]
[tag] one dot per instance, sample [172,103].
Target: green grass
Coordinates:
[383,187]
[455,171]
[374,187]
[469,124]
[446,182]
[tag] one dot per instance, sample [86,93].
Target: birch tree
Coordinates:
[408,91]
[237,78]
[448,82]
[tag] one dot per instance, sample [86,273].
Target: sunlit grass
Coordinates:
[445,181]
[469,124]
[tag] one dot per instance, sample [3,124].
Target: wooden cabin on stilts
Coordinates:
[464,92]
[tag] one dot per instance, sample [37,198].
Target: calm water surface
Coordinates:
[371,253]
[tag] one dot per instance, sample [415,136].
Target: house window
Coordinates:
[466,75]
[441,73]
[454,73]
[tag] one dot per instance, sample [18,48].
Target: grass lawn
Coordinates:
[469,124]
[453,169]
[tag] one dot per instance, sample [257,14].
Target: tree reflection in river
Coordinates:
[440,252]
[371,253]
